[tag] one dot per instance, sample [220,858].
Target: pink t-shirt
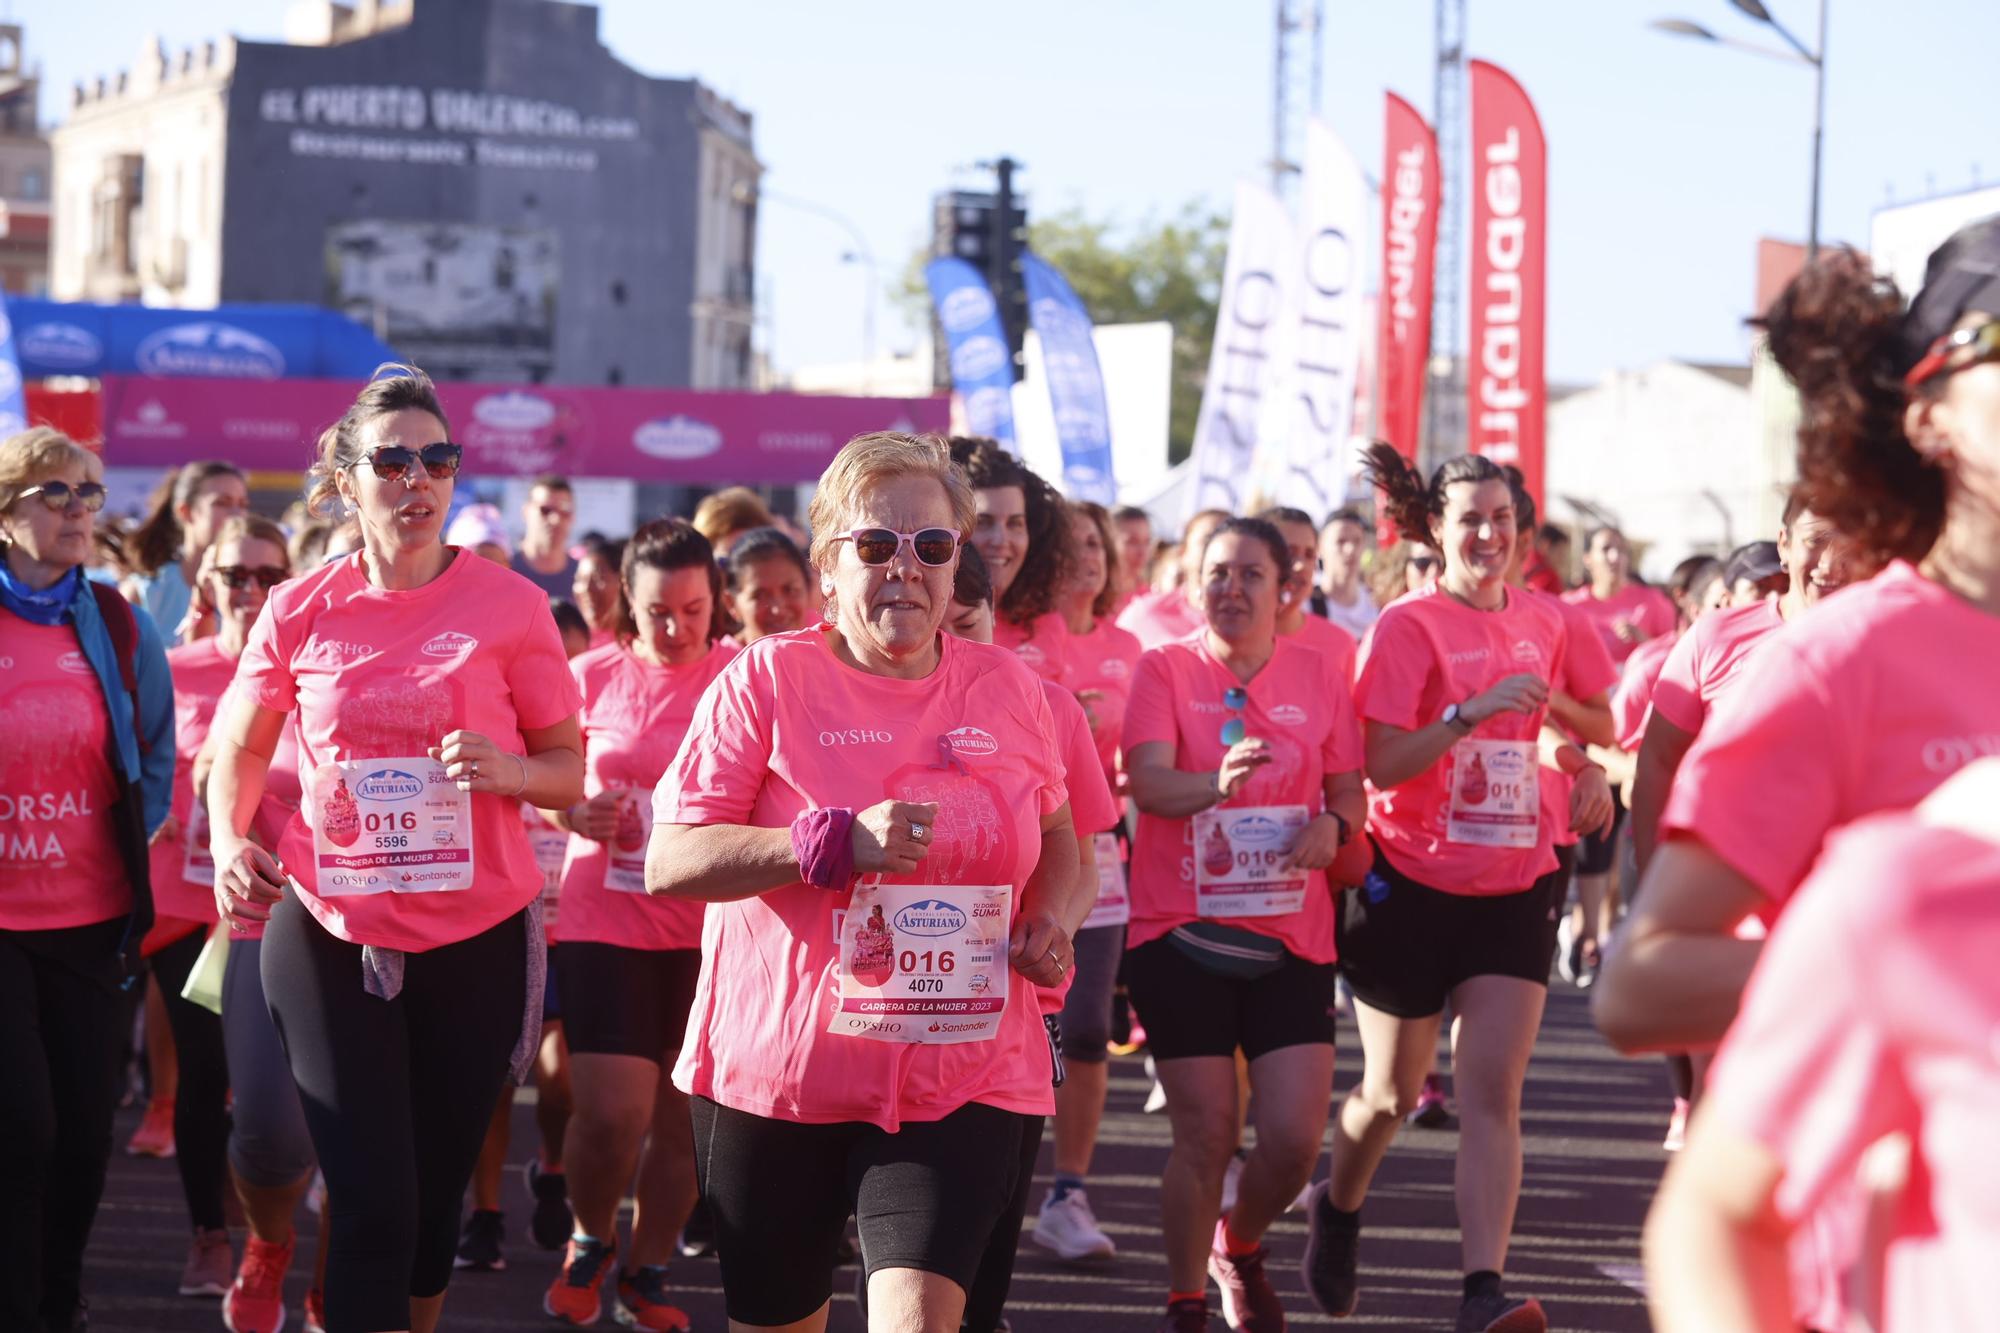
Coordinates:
[1865,702]
[282,795]
[1645,609]
[634,716]
[1300,703]
[201,673]
[1323,636]
[1901,917]
[1159,618]
[1428,651]
[1634,696]
[788,727]
[1101,662]
[1708,658]
[380,674]
[59,862]
[1587,671]
[1043,644]
[1091,806]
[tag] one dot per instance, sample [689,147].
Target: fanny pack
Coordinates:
[1228,951]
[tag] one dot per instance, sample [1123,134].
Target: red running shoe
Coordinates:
[155,1135]
[1249,1303]
[315,1311]
[575,1296]
[256,1300]
[642,1301]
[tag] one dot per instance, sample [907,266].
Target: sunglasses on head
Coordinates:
[240,577]
[1235,699]
[393,462]
[1983,340]
[58,494]
[878,546]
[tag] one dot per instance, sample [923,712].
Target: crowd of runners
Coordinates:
[812,875]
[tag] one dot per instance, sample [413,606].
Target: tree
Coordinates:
[1159,270]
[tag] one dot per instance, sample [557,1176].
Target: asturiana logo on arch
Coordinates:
[514,410]
[389,784]
[677,437]
[931,918]
[210,348]
[60,346]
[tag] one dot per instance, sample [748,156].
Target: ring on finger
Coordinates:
[917,831]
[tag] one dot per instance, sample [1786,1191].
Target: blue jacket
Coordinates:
[151,773]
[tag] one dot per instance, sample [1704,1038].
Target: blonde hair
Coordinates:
[730,510]
[36,455]
[867,461]
[256,528]
[394,388]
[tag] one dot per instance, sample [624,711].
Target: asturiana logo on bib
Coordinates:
[1254,829]
[389,784]
[1289,715]
[932,917]
[450,644]
[75,663]
[971,740]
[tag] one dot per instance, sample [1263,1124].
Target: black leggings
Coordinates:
[397,1094]
[60,1038]
[201,1098]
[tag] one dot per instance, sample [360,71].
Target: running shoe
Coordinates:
[1677,1128]
[256,1300]
[1501,1314]
[698,1232]
[1249,1302]
[575,1296]
[1186,1317]
[155,1135]
[479,1242]
[1069,1229]
[1588,959]
[1569,949]
[1430,1111]
[1156,1098]
[642,1301]
[211,1265]
[552,1220]
[315,1311]
[1332,1256]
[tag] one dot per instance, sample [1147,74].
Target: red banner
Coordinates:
[669,435]
[1409,252]
[1506,388]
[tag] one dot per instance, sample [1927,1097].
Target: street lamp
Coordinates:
[1801,54]
[744,192]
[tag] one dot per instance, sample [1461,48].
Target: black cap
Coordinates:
[1963,274]
[1755,561]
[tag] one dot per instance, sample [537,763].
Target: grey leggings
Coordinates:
[269,1145]
[1086,1011]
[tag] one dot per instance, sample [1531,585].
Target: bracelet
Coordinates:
[524,773]
[1346,829]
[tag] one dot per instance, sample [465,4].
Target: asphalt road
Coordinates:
[1592,1124]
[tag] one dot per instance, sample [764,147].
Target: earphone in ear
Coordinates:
[826,585]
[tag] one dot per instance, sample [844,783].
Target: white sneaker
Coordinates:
[1566,948]
[1232,1176]
[1156,1100]
[1069,1229]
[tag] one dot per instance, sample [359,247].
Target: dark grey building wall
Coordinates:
[372,132]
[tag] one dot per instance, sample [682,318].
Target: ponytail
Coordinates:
[1412,505]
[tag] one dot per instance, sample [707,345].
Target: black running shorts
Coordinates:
[1189,1010]
[620,1001]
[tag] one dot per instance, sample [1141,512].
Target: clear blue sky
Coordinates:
[1668,157]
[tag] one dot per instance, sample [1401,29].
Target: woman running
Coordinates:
[1903,910]
[866,1044]
[1460,904]
[1022,530]
[87,686]
[403,957]
[1244,759]
[164,551]
[628,961]
[1901,431]
[770,586]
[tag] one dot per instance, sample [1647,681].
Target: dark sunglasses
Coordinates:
[1982,339]
[392,462]
[878,546]
[551,511]
[1235,699]
[1424,563]
[58,494]
[240,577]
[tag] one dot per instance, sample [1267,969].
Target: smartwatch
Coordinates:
[1457,720]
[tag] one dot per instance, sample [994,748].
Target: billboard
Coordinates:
[463,299]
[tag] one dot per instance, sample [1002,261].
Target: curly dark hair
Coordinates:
[1836,331]
[1410,502]
[1038,586]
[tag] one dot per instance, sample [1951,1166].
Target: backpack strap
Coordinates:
[123,627]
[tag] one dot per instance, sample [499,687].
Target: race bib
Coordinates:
[626,870]
[1495,794]
[1113,907]
[198,862]
[1238,855]
[390,826]
[923,963]
[550,845]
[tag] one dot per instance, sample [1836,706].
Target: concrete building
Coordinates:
[482,181]
[24,172]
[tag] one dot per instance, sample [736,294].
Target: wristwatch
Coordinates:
[1457,720]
